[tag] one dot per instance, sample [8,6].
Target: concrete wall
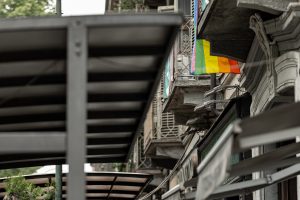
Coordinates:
[148,126]
[284,32]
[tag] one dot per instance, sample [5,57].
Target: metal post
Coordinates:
[297,99]
[213,83]
[58,168]
[76,108]
[119,6]
[58,182]
[58,8]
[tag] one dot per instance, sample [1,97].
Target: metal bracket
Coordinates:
[269,179]
[221,88]
[206,104]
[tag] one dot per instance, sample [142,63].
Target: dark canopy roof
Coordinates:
[99,185]
[125,57]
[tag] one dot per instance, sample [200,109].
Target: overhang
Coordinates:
[99,185]
[61,76]
[246,187]
[225,23]
[279,124]
[184,96]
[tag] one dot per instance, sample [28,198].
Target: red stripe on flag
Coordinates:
[234,66]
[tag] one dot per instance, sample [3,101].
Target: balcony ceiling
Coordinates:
[124,63]
[225,23]
[184,96]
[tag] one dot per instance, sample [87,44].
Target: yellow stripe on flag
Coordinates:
[211,62]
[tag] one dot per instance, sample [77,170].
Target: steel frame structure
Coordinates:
[40,146]
[99,185]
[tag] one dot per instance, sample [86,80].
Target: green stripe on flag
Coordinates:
[200,58]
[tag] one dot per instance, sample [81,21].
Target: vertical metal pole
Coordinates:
[58,8]
[213,83]
[76,108]
[119,6]
[297,81]
[297,99]
[58,182]
[58,168]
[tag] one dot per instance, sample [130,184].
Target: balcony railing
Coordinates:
[160,126]
[183,50]
[186,37]
[163,132]
[141,161]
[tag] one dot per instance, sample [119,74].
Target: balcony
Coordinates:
[185,90]
[140,160]
[143,164]
[162,138]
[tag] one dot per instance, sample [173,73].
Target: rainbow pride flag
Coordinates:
[204,63]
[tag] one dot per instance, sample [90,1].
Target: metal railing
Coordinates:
[183,50]
[163,124]
[186,37]
[141,161]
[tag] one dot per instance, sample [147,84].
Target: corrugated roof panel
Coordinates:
[125,57]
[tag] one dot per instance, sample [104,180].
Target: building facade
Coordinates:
[263,35]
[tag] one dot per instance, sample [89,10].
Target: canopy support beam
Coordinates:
[76,108]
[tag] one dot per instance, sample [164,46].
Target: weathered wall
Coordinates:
[284,35]
[148,125]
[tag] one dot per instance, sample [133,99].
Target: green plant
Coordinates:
[19,8]
[18,188]
[17,171]
[49,191]
[130,4]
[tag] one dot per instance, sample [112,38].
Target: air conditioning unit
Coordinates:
[183,66]
[166,9]
[184,7]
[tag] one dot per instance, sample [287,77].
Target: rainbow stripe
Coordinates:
[204,63]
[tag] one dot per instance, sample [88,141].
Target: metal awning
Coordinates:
[279,124]
[99,185]
[77,89]
[247,187]
[55,71]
